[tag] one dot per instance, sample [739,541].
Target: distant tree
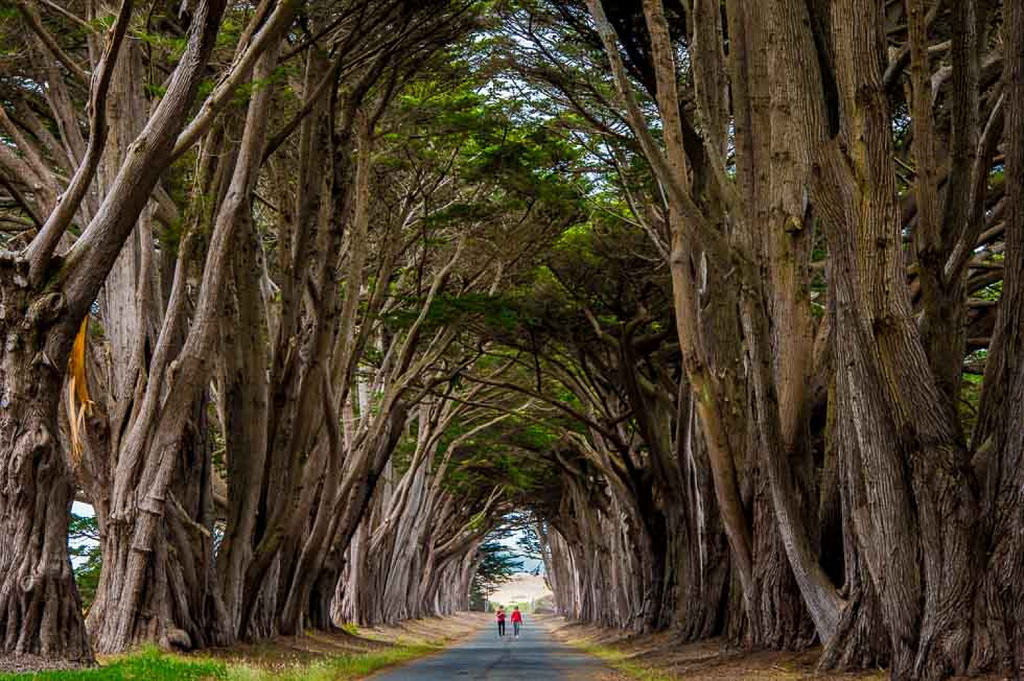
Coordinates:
[86,557]
[497,565]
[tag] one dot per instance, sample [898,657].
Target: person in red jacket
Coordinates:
[517,620]
[501,621]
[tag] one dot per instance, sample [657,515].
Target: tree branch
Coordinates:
[33,21]
[71,16]
[239,71]
[94,253]
[43,246]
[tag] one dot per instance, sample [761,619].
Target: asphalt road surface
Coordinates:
[534,656]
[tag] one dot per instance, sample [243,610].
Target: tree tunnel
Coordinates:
[307,299]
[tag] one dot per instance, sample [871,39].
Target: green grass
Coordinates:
[147,665]
[618,660]
[151,664]
[339,668]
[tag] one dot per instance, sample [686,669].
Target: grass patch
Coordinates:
[337,668]
[619,661]
[151,664]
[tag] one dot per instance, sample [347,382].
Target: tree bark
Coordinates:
[39,605]
[998,441]
[177,600]
[913,507]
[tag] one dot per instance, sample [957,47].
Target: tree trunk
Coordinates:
[998,441]
[701,546]
[177,602]
[245,399]
[860,640]
[39,605]
[912,506]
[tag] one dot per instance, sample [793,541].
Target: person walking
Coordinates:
[517,621]
[501,621]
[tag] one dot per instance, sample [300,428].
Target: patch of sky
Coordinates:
[84,540]
[513,542]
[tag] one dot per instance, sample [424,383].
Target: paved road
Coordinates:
[534,656]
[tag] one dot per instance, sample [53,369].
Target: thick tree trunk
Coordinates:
[40,610]
[319,611]
[783,622]
[914,507]
[711,394]
[912,504]
[701,547]
[341,518]
[999,439]
[860,640]
[245,400]
[176,601]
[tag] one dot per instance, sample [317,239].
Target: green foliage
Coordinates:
[497,565]
[991,292]
[172,46]
[970,398]
[206,86]
[970,390]
[520,167]
[154,90]
[529,543]
[538,436]
[492,310]
[83,544]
